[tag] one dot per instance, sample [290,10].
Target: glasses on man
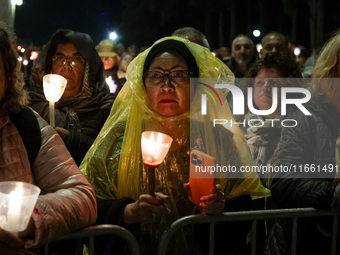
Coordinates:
[75,61]
[176,77]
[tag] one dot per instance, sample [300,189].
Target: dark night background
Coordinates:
[144,21]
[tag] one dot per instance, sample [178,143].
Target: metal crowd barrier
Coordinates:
[93,231]
[253,216]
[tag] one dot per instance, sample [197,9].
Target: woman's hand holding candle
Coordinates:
[145,209]
[9,243]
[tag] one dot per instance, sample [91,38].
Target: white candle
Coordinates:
[54,86]
[111,84]
[17,200]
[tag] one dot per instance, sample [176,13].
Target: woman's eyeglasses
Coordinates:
[178,77]
[75,61]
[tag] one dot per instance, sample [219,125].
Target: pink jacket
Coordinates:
[67,201]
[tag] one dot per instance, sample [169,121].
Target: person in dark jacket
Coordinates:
[86,102]
[243,55]
[312,145]
[264,133]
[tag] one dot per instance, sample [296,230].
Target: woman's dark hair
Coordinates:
[285,65]
[15,96]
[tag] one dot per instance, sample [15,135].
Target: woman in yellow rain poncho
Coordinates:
[156,97]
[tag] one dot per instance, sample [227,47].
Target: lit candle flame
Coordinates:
[154,151]
[14,209]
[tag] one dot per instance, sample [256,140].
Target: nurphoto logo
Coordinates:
[277,97]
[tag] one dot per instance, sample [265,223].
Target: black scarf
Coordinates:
[172,45]
[66,109]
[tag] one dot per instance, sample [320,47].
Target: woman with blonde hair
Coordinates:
[328,66]
[312,148]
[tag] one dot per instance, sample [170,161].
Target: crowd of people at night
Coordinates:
[90,169]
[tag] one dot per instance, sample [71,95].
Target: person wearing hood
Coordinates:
[156,97]
[86,102]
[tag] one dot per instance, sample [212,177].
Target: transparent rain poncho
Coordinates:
[114,165]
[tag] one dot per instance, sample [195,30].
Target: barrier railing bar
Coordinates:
[211,238]
[253,237]
[46,249]
[294,235]
[239,216]
[99,230]
[27,252]
[91,245]
[334,234]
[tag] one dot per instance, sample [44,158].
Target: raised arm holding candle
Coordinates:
[156,97]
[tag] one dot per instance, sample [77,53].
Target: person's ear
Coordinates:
[261,53]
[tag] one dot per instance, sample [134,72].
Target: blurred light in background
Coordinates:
[258,47]
[297,51]
[256,33]
[34,55]
[113,36]
[16,2]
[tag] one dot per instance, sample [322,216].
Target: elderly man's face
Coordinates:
[274,43]
[74,75]
[242,50]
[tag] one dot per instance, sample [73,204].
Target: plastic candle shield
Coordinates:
[54,87]
[155,146]
[17,201]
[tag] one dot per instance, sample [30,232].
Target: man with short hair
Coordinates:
[242,55]
[192,35]
[274,41]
